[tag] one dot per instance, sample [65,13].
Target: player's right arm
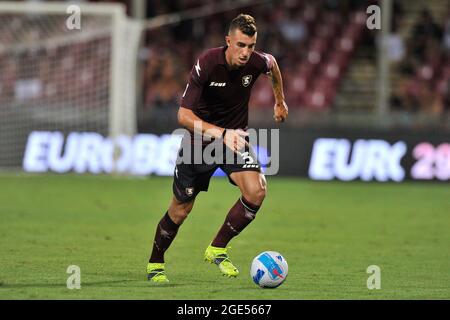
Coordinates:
[234,139]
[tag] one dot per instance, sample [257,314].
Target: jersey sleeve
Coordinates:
[266,62]
[198,78]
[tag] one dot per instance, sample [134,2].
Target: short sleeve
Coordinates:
[194,88]
[268,63]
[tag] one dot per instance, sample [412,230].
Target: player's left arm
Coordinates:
[280,109]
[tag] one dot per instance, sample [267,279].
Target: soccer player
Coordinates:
[215,105]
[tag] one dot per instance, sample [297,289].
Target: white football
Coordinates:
[269,269]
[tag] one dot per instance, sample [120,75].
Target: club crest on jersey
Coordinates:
[246,80]
[189,191]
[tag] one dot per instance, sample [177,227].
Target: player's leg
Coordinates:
[252,185]
[166,231]
[168,227]
[189,180]
[253,188]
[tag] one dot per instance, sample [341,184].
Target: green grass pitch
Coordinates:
[328,232]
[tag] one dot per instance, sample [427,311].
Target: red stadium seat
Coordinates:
[332,70]
[345,43]
[332,19]
[315,100]
[309,14]
[306,69]
[425,72]
[325,32]
[319,44]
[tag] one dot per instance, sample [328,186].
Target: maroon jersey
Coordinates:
[218,95]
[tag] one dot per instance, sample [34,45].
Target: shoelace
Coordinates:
[155,273]
[222,257]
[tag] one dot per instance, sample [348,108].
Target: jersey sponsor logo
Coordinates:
[217,84]
[246,80]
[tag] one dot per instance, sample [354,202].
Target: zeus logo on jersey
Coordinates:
[217,84]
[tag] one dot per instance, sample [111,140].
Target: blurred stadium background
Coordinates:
[124,71]
[365,104]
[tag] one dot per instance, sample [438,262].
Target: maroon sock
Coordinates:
[240,215]
[165,233]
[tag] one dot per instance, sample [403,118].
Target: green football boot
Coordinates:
[156,273]
[219,257]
